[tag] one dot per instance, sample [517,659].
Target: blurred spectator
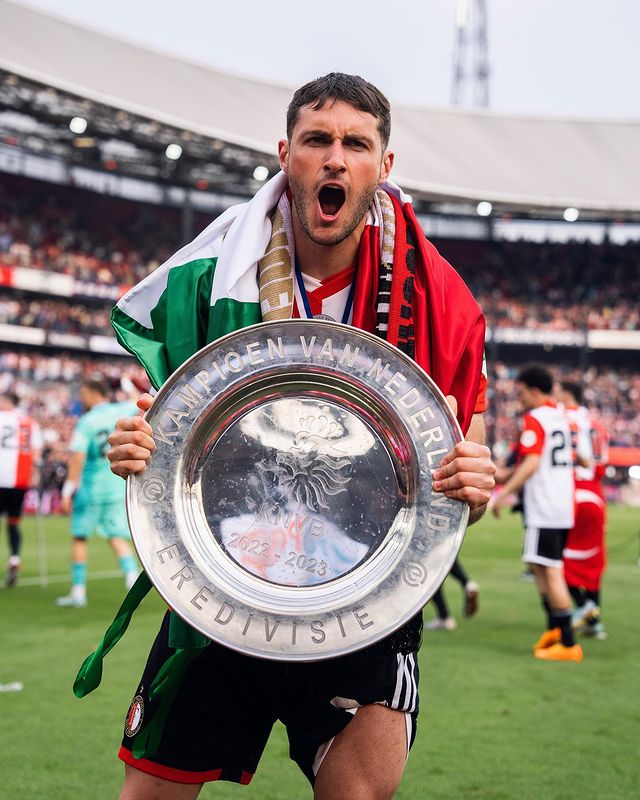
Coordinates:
[94,237]
[569,286]
[21,308]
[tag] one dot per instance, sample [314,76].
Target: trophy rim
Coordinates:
[134,483]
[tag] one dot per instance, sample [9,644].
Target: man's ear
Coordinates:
[283,154]
[386,166]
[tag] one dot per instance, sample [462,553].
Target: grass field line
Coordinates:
[41,581]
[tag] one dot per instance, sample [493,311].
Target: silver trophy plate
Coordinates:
[288,511]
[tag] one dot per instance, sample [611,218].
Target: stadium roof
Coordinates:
[521,162]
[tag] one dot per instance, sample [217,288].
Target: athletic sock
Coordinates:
[79,580]
[594,597]
[129,567]
[547,611]
[578,595]
[561,618]
[14,538]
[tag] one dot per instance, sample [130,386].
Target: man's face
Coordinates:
[87,398]
[525,396]
[334,162]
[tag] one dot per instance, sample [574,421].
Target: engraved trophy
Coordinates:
[288,511]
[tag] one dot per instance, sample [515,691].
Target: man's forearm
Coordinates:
[522,474]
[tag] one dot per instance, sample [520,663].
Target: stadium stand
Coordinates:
[578,285]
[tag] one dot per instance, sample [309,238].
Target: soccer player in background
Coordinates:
[20,452]
[585,552]
[94,493]
[545,474]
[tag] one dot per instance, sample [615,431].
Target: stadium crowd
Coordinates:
[20,308]
[84,234]
[574,286]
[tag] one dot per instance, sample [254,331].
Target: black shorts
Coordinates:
[227,703]
[11,502]
[544,546]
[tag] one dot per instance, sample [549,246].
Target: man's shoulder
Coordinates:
[548,415]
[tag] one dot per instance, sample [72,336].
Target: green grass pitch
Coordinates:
[494,724]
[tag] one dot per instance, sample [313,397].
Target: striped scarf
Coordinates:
[239,271]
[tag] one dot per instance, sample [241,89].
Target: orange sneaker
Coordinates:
[548,638]
[558,652]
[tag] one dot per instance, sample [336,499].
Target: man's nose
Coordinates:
[335,160]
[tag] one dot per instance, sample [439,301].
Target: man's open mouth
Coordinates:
[331,199]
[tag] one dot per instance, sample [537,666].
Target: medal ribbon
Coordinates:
[305,297]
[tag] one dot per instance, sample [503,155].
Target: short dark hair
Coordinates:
[350,89]
[97,385]
[574,389]
[535,376]
[12,397]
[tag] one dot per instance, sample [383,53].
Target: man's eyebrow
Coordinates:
[349,136]
[315,132]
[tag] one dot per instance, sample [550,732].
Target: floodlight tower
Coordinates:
[471,43]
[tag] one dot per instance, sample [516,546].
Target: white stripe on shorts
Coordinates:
[408,719]
[531,536]
[531,555]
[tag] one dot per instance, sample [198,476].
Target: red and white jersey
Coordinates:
[580,425]
[548,495]
[328,298]
[20,437]
[600,447]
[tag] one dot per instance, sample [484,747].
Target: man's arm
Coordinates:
[76,463]
[36,463]
[520,476]
[466,473]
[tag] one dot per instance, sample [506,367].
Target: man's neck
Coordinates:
[544,400]
[322,261]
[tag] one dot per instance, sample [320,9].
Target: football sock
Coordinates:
[14,538]
[547,611]
[79,579]
[561,618]
[594,596]
[577,595]
[128,564]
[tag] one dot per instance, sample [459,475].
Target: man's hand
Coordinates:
[466,473]
[132,442]
[66,504]
[498,502]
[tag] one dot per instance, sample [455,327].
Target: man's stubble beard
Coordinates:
[301,197]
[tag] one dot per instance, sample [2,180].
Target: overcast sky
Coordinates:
[557,57]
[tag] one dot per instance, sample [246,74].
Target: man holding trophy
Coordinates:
[331,238]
